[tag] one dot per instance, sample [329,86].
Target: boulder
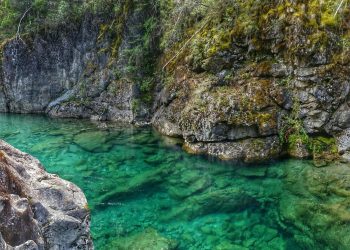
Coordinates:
[39,210]
[249,150]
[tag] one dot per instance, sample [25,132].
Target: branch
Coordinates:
[339,6]
[184,46]
[18,36]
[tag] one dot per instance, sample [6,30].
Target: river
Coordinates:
[145,191]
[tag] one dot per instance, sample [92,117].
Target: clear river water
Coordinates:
[145,192]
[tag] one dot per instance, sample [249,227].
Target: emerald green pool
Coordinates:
[144,192]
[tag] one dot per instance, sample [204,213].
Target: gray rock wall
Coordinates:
[77,70]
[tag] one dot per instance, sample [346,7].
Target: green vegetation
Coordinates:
[202,29]
[294,137]
[324,148]
[47,14]
[38,15]
[293,134]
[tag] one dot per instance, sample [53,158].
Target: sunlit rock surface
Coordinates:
[39,210]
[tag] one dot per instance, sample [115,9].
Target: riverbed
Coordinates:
[145,191]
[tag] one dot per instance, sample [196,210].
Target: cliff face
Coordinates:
[39,210]
[79,70]
[38,73]
[247,80]
[261,79]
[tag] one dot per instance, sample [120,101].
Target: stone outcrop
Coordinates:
[281,82]
[39,210]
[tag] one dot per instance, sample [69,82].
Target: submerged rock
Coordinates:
[93,141]
[126,186]
[227,200]
[148,239]
[320,210]
[39,210]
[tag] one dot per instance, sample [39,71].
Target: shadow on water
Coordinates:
[144,192]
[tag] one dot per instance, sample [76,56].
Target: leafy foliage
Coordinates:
[46,14]
[247,23]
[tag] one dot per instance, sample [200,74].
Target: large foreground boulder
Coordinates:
[39,210]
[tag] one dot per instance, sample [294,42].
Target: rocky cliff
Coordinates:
[244,80]
[78,70]
[39,210]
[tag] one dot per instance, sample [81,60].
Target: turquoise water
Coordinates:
[144,192]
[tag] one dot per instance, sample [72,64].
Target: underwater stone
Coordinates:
[252,172]
[226,245]
[320,199]
[148,239]
[218,201]
[128,186]
[92,141]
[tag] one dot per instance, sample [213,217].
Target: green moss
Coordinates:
[248,23]
[293,136]
[285,82]
[296,139]
[328,19]
[135,105]
[146,88]
[121,15]
[292,133]
[324,147]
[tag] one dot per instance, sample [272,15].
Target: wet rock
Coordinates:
[127,186]
[239,92]
[343,143]
[38,210]
[94,141]
[315,120]
[299,150]
[74,72]
[280,70]
[148,239]
[217,201]
[249,150]
[252,172]
[229,246]
[320,204]
[29,245]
